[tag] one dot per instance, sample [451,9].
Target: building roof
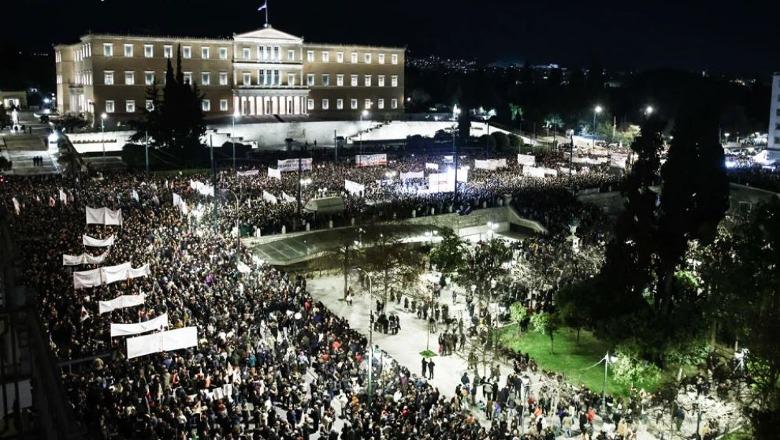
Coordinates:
[269,33]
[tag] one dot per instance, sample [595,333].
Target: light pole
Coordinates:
[103,117]
[607,360]
[649,110]
[233,136]
[596,111]
[370,362]
[363,114]
[455,114]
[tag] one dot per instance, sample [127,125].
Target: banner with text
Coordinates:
[274,173]
[76,260]
[370,160]
[155,324]
[97,242]
[526,160]
[412,175]
[354,188]
[120,302]
[292,165]
[163,341]
[104,216]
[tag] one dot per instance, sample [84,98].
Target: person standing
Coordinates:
[430,369]
[424,367]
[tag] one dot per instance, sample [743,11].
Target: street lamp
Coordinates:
[596,111]
[455,114]
[649,110]
[103,117]
[607,360]
[364,114]
[233,135]
[370,363]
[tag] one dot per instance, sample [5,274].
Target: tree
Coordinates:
[348,252]
[515,141]
[5,118]
[501,140]
[448,255]
[547,324]
[392,259]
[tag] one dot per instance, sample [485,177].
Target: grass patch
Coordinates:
[569,358]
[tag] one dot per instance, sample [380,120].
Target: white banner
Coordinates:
[292,165]
[249,173]
[412,175]
[270,198]
[370,160]
[243,268]
[155,324]
[526,159]
[112,274]
[463,175]
[489,164]
[618,160]
[104,216]
[96,242]
[288,198]
[202,188]
[177,201]
[120,302]
[163,341]
[75,260]
[432,166]
[441,182]
[275,174]
[539,172]
[87,278]
[354,188]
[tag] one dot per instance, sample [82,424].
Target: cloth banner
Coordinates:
[138,272]
[274,173]
[87,278]
[63,197]
[354,188]
[163,341]
[432,166]
[370,160]
[202,188]
[104,216]
[155,324]
[618,160]
[526,159]
[249,173]
[270,198]
[75,260]
[490,164]
[112,274]
[412,175]
[96,242]
[589,161]
[120,302]
[463,175]
[243,268]
[286,165]
[16,205]
[177,201]
[533,172]
[441,182]
[288,198]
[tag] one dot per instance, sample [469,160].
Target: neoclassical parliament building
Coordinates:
[260,73]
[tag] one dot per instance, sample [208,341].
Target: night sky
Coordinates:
[735,36]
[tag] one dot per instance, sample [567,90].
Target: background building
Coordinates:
[264,74]
[773,135]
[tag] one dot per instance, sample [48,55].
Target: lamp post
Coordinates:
[455,114]
[649,110]
[363,114]
[607,360]
[233,138]
[596,111]
[370,362]
[103,117]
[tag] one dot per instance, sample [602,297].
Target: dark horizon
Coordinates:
[714,36]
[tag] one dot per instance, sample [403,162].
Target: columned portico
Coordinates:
[263,101]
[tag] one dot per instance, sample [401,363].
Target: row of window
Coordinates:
[186,51]
[368,104]
[149,76]
[273,53]
[205,105]
[354,80]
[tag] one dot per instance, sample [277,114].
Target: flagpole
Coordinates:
[266,13]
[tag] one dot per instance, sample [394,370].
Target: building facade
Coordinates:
[263,73]
[773,135]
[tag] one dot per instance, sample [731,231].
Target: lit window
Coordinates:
[246,53]
[353,103]
[128,50]
[339,104]
[149,105]
[380,81]
[367,104]
[394,58]
[223,105]
[205,105]
[187,77]
[130,106]
[108,50]
[186,52]
[325,57]
[129,78]
[168,51]
[290,79]
[310,79]
[247,79]
[310,56]
[353,80]
[380,58]
[223,53]
[148,50]
[367,80]
[380,104]
[367,58]
[110,107]
[290,55]
[394,81]
[325,104]
[340,80]
[394,103]
[223,78]
[353,57]
[148,78]
[205,53]
[277,53]
[339,57]
[310,104]
[325,80]
[108,78]
[205,78]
